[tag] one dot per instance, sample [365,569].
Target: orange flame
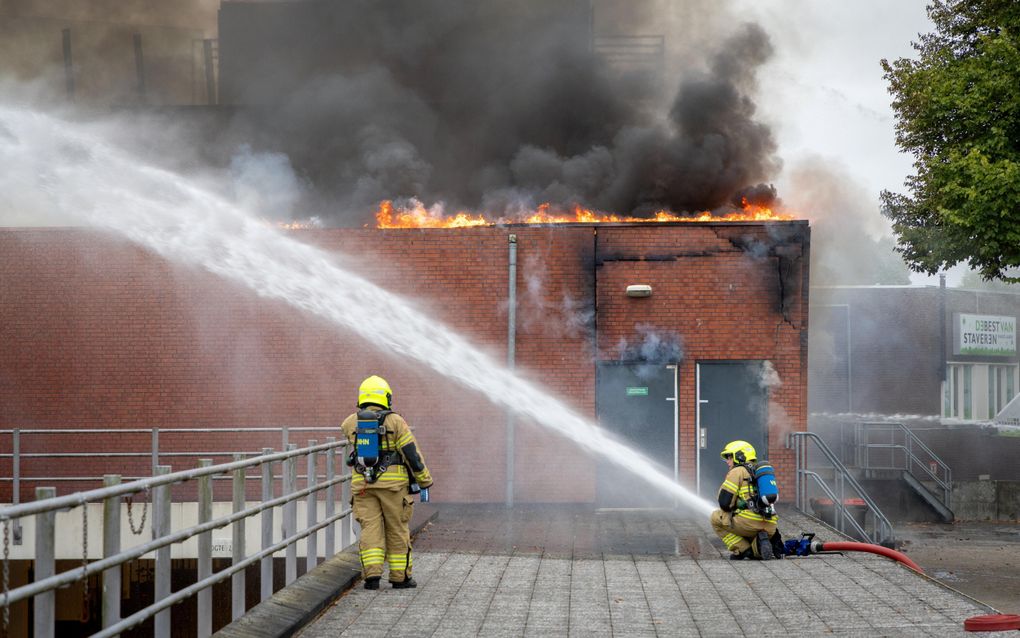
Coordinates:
[417,215]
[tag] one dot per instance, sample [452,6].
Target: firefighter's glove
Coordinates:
[741,504]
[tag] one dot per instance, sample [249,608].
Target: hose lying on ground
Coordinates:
[806,545]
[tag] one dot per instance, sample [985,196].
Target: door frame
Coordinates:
[698,434]
[675,367]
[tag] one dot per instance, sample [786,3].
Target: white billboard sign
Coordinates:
[985,335]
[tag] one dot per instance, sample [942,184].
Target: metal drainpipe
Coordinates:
[511,340]
[944,364]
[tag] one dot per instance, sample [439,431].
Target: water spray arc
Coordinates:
[78,174]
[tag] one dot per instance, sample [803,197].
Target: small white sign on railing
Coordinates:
[222,547]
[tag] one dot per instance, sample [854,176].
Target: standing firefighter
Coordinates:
[746,520]
[388,467]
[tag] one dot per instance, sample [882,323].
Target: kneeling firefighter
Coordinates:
[746,519]
[388,470]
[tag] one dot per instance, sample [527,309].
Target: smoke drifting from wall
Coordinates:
[265,183]
[553,312]
[499,106]
[654,350]
[851,243]
[780,423]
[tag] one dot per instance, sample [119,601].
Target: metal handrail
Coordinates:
[911,441]
[832,496]
[45,508]
[153,449]
[883,531]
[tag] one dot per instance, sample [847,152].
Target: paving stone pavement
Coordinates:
[575,571]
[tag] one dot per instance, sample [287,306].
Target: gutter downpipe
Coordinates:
[943,350]
[511,341]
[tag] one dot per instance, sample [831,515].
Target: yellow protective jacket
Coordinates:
[736,486]
[397,437]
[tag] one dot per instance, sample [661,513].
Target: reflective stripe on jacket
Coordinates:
[738,485]
[397,437]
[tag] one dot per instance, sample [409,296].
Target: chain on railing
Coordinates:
[145,510]
[42,589]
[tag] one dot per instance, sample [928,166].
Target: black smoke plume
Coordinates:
[492,106]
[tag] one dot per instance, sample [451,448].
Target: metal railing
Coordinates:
[844,486]
[906,452]
[19,455]
[44,510]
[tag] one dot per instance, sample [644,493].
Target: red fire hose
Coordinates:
[848,546]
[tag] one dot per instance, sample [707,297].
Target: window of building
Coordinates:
[1001,388]
[968,391]
[978,391]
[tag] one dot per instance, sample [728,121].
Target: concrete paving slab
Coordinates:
[575,571]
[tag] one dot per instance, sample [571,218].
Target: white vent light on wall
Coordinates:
[639,290]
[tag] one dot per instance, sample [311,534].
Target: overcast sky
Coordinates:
[830,99]
[824,95]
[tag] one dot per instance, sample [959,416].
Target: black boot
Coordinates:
[764,545]
[747,553]
[372,582]
[405,584]
[778,547]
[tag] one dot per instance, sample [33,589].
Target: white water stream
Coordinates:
[68,168]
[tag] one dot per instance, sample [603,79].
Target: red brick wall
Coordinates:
[97,333]
[719,287]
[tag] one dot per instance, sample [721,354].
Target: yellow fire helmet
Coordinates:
[376,391]
[741,451]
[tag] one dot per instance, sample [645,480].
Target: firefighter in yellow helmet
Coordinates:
[746,532]
[387,465]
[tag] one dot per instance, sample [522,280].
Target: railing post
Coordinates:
[44,604]
[237,550]
[311,541]
[155,450]
[111,547]
[266,564]
[290,515]
[205,498]
[16,496]
[16,463]
[160,528]
[347,524]
[330,547]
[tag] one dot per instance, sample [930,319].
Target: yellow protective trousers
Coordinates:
[384,515]
[737,531]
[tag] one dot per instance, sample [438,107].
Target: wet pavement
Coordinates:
[575,571]
[979,558]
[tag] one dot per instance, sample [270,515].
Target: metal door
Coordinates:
[637,403]
[732,405]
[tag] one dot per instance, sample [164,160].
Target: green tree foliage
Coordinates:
[958,112]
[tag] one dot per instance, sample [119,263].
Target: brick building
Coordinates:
[99,333]
[914,350]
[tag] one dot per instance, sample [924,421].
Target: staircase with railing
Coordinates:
[826,488]
[890,450]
